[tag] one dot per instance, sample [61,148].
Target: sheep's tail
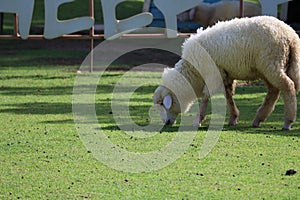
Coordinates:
[293,70]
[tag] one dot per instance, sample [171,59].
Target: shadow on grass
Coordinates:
[34,77]
[130,128]
[38,108]
[290,133]
[139,113]
[263,130]
[65,121]
[43,91]
[53,90]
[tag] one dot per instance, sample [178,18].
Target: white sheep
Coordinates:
[208,14]
[243,49]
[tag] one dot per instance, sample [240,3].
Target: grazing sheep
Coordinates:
[208,14]
[243,49]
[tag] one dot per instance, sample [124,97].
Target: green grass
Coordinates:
[42,156]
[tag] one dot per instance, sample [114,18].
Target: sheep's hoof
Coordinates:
[256,123]
[287,127]
[233,122]
[255,126]
[196,123]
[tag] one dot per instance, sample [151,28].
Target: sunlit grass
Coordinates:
[42,155]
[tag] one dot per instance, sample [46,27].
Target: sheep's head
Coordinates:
[168,104]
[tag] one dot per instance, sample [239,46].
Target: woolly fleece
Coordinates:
[243,49]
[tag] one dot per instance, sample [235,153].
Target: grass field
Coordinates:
[43,157]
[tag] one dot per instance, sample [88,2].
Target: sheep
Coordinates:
[208,14]
[187,15]
[254,48]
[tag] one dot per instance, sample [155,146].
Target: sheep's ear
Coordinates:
[167,101]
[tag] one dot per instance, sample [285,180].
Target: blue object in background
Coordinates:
[211,1]
[215,1]
[158,17]
[188,26]
[159,21]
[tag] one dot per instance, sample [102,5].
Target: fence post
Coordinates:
[241,8]
[1,22]
[91,12]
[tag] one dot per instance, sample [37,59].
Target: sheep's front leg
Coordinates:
[233,110]
[201,116]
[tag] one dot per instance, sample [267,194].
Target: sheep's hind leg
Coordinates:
[233,110]
[290,107]
[201,116]
[268,105]
[287,87]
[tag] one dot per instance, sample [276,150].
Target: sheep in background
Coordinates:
[245,49]
[187,15]
[208,14]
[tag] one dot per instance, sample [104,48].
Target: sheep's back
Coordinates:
[242,47]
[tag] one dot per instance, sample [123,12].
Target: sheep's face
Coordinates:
[168,105]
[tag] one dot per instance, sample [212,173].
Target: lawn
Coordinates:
[43,155]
